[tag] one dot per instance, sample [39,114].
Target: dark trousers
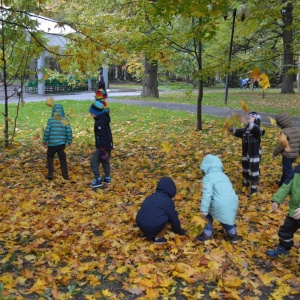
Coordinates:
[97,160]
[286,232]
[208,229]
[287,169]
[60,150]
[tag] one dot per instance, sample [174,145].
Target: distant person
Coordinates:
[219,200]
[57,134]
[157,211]
[292,221]
[285,122]
[251,149]
[103,143]
[101,92]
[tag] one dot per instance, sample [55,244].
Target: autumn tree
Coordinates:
[264,40]
[18,47]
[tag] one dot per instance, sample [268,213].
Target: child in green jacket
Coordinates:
[292,221]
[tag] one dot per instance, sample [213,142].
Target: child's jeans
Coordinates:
[97,160]
[287,169]
[208,229]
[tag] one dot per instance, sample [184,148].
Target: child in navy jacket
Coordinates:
[158,210]
[103,143]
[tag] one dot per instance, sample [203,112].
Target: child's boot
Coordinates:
[203,237]
[97,182]
[253,190]
[280,250]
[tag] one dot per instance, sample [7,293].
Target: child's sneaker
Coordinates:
[253,191]
[234,238]
[97,182]
[203,237]
[107,180]
[280,250]
[159,241]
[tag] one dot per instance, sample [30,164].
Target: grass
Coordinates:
[271,101]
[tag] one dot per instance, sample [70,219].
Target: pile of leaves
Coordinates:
[63,240]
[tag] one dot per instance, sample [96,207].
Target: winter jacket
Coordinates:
[58,130]
[285,122]
[103,135]
[218,197]
[290,187]
[158,209]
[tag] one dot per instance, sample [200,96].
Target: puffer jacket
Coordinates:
[218,197]
[285,122]
[291,188]
[58,130]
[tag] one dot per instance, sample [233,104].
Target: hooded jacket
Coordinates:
[102,131]
[285,122]
[58,130]
[290,187]
[218,197]
[158,209]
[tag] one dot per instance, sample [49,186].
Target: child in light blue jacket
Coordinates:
[219,200]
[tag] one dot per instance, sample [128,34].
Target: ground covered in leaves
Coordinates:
[62,240]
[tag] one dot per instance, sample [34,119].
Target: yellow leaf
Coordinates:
[166,146]
[50,101]
[273,121]
[227,124]
[65,122]
[38,287]
[255,75]
[244,106]
[107,293]
[57,116]
[264,83]
[55,258]
[283,141]
[30,257]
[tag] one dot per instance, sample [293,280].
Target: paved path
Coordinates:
[191,108]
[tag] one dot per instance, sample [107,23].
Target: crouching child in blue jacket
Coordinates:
[219,200]
[157,211]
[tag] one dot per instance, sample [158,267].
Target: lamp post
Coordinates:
[241,12]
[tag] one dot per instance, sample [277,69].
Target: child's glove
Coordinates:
[232,129]
[103,155]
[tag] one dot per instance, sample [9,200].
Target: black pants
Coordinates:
[97,160]
[286,232]
[60,150]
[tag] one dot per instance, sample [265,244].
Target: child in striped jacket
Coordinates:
[57,134]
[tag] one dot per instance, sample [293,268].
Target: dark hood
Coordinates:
[166,185]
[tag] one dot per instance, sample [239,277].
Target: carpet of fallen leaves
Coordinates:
[63,240]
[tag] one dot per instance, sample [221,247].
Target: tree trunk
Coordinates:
[200,89]
[150,84]
[288,60]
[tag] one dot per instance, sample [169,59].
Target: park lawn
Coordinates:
[270,101]
[62,240]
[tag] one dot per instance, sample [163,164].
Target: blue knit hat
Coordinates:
[96,108]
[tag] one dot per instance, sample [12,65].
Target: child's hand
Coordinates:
[274,206]
[297,214]
[203,214]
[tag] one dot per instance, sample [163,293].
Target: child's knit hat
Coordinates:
[100,95]
[257,117]
[97,108]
